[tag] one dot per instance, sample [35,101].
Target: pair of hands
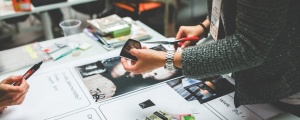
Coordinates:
[12,95]
[149,60]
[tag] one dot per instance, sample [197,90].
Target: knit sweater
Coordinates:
[261,46]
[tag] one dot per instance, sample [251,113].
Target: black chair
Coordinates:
[55,14]
[15,20]
[91,8]
[191,12]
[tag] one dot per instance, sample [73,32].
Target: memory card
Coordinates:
[128,46]
[146,104]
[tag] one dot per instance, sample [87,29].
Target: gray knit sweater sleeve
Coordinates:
[258,24]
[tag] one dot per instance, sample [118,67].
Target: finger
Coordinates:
[16,99]
[179,33]
[8,88]
[132,62]
[132,74]
[24,85]
[2,109]
[185,44]
[126,66]
[144,47]
[20,100]
[12,79]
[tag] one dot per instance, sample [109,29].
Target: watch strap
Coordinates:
[170,60]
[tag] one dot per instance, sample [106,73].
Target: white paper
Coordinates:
[51,93]
[127,107]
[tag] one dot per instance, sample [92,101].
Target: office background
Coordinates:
[21,30]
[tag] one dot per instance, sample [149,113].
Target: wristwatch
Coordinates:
[170,60]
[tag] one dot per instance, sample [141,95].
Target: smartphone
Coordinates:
[125,52]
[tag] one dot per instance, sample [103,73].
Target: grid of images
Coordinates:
[202,90]
[107,78]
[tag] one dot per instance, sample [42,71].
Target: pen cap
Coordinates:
[39,64]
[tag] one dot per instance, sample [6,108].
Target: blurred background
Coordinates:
[164,16]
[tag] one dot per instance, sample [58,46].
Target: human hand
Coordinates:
[12,95]
[189,31]
[148,60]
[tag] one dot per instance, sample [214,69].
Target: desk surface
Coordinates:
[96,49]
[7,11]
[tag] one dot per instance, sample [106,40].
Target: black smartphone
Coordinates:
[125,52]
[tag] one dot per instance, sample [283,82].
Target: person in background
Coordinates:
[258,41]
[12,95]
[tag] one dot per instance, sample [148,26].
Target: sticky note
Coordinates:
[85,46]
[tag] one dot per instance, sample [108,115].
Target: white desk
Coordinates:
[97,49]
[7,11]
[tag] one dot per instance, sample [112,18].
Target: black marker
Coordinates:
[32,70]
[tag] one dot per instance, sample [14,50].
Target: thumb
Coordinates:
[134,52]
[12,79]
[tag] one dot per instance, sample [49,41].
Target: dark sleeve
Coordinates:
[258,24]
[209,5]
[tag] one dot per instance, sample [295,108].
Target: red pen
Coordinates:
[32,70]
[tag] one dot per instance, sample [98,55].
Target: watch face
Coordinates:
[128,46]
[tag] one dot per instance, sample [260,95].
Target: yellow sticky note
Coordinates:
[31,52]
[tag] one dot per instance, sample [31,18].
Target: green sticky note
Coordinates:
[188,118]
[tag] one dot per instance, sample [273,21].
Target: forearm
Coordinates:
[247,47]
[177,55]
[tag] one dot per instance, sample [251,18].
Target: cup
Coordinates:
[70,27]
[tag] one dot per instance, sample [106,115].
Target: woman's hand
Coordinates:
[12,95]
[192,31]
[148,60]
[189,31]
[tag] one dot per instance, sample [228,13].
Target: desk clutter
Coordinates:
[113,31]
[27,55]
[21,57]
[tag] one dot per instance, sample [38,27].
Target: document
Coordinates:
[51,94]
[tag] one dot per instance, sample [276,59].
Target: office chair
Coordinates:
[191,12]
[137,6]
